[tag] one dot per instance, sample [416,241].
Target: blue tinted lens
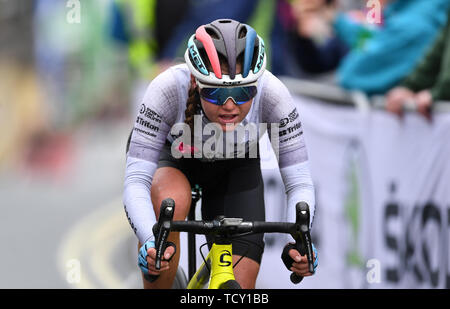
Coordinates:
[219,96]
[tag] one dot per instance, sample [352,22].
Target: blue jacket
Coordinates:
[391,51]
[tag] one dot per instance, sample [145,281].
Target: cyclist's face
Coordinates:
[229,115]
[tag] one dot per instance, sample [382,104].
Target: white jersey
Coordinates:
[163,108]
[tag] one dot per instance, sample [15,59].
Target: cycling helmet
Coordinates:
[230,39]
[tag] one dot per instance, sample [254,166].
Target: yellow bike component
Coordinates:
[201,277]
[221,265]
[220,262]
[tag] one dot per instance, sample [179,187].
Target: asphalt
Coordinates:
[45,214]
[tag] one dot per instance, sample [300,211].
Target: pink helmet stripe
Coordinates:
[211,51]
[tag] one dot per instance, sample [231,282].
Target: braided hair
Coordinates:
[193,107]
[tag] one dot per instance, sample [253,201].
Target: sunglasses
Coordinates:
[219,95]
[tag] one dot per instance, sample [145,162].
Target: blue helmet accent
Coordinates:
[249,48]
[261,52]
[195,55]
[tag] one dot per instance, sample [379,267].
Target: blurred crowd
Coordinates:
[67,63]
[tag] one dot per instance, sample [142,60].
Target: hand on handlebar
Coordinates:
[147,258]
[154,256]
[300,264]
[300,257]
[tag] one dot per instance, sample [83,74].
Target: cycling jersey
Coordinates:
[164,106]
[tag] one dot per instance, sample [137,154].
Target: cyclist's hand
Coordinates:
[147,258]
[300,264]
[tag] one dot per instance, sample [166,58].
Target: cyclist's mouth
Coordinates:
[228,118]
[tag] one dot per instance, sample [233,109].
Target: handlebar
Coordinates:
[233,227]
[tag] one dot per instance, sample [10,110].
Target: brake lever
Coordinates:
[161,230]
[303,242]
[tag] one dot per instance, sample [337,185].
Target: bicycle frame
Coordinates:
[218,268]
[219,265]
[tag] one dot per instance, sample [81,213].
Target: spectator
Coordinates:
[429,82]
[144,28]
[393,48]
[316,48]
[380,55]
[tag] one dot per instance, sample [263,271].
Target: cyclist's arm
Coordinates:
[279,107]
[157,113]
[136,197]
[299,188]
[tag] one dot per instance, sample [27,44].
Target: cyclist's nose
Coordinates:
[229,104]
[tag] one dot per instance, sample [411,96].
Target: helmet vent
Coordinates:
[212,33]
[224,21]
[242,32]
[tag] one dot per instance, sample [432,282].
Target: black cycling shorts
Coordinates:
[232,188]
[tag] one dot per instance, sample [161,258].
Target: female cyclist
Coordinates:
[223,86]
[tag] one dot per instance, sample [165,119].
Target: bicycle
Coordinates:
[217,267]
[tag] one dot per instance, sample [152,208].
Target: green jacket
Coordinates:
[433,72]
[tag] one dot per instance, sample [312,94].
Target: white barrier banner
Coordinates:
[407,169]
[395,175]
